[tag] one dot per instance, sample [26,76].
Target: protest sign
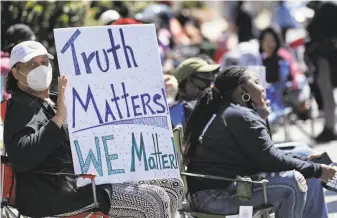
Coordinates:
[118,118]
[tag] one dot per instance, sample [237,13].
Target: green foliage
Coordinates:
[43,17]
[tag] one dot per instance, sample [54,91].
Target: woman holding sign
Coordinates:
[227,135]
[37,141]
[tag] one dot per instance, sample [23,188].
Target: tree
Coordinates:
[43,17]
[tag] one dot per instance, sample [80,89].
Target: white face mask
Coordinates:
[40,78]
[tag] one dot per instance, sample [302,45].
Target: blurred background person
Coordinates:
[322,50]
[14,34]
[284,19]
[109,17]
[194,75]
[244,25]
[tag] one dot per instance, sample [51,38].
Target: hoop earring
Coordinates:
[245,97]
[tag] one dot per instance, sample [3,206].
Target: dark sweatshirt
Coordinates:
[242,148]
[35,144]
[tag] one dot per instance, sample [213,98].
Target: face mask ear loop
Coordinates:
[22,75]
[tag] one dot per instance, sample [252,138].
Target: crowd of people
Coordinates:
[219,101]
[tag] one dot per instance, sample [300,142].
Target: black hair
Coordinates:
[271,63]
[209,103]
[11,83]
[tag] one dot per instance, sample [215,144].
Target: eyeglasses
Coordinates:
[30,65]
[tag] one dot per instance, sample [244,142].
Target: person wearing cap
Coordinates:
[194,75]
[37,143]
[109,17]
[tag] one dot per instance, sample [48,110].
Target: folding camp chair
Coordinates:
[8,188]
[265,211]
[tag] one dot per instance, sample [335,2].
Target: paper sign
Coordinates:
[118,118]
[246,212]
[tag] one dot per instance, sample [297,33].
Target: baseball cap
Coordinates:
[109,16]
[194,65]
[25,51]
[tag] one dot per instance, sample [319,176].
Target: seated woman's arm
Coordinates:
[29,141]
[252,136]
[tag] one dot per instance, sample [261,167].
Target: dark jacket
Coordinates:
[322,30]
[322,26]
[35,144]
[244,148]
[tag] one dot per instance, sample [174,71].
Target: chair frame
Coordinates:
[6,204]
[287,121]
[186,210]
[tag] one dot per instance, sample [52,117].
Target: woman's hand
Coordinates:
[61,114]
[315,156]
[328,172]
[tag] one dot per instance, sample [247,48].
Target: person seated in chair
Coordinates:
[227,135]
[37,142]
[194,75]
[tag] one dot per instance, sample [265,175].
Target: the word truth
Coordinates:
[116,50]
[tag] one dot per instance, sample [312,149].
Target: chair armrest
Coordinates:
[264,181]
[84,176]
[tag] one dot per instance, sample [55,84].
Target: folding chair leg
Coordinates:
[7,214]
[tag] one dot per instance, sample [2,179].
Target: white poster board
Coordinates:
[118,118]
